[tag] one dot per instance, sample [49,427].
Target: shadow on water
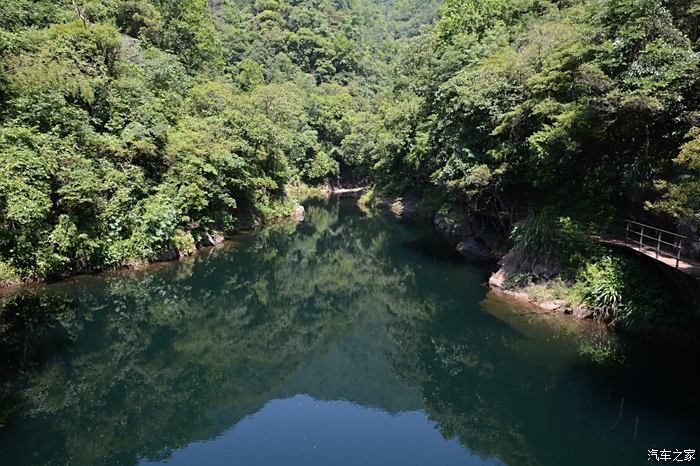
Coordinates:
[361,315]
[435,248]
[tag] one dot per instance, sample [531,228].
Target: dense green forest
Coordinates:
[131,128]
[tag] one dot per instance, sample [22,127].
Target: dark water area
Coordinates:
[352,338]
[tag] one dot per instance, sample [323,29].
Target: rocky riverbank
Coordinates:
[548,295]
[482,239]
[475,237]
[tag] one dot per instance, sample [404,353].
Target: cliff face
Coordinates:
[473,236]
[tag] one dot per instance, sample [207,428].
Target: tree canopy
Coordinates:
[128,129]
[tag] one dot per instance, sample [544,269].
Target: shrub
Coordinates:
[603,283]
[8,275]
[535,237]
[620,292]
[184,242]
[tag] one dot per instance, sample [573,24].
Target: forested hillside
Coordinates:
[574,113]
[129,128]
[589,106]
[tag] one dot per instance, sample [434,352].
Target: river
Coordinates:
[351,338]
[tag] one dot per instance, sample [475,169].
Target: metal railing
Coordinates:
[645,238]
[661,242]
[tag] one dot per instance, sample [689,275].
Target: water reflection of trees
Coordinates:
[458,367]
[136,364]
[154,360]
[514,386]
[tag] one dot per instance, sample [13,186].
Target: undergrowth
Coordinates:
[561,261]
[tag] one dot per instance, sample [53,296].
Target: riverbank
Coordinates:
[475,240]
[590,281]
[550,295]
[185,244]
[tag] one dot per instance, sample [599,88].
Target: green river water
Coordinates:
[352,338]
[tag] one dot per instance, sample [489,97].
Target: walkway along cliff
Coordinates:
[630,261]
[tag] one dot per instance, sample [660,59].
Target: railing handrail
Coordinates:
[654,238]
[677,245]
[655,228]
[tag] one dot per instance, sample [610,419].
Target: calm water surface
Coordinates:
[349,339]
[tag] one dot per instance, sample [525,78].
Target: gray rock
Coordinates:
[449,228]
[399,206]
[555,305]
[474,249]
[209,240]
[409,207]
[440,224]
[583,312]
[509,265]
[457,228]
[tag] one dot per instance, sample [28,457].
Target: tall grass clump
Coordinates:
[8,276]
[552,241]
[623,293]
